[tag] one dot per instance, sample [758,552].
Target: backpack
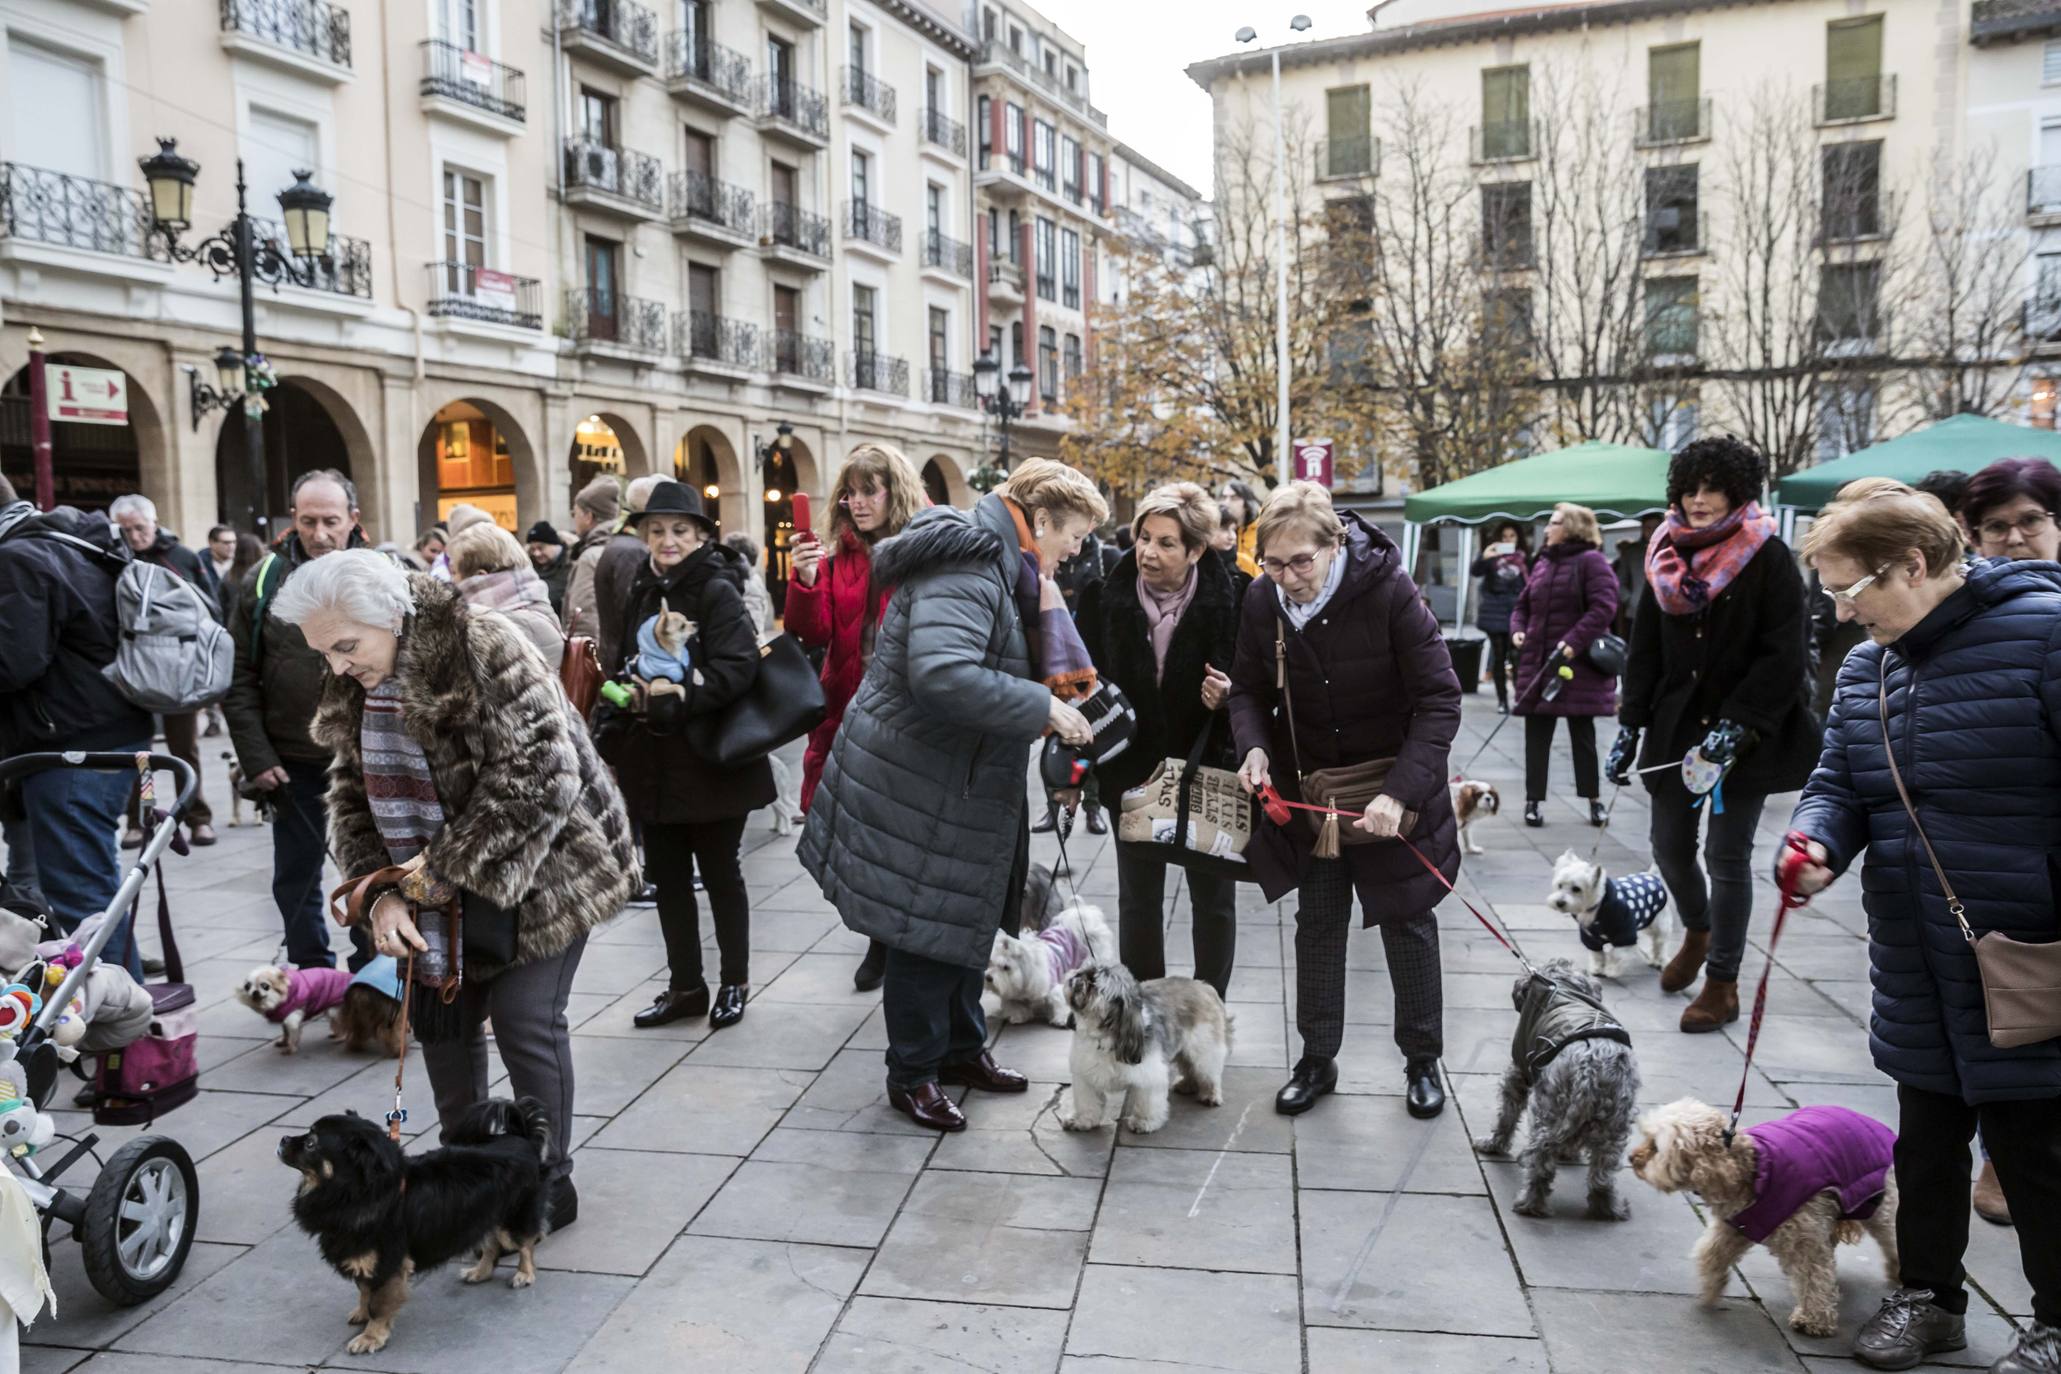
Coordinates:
[173,656]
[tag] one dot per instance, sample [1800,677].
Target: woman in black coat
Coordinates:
[1163,626]
[1368,679]
[1719,659]
[692,811]
[1503,569]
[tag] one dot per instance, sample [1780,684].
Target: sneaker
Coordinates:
[1909,1327]
[2036,1351]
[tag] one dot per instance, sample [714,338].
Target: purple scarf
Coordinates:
[1163,615]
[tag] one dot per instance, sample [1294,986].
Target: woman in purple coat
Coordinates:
[1367,679]
[1570,599]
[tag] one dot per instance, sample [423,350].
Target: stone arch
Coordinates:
[307,425]
[706,458]
[604,442]
[474,450]
[944,481]
[91,464]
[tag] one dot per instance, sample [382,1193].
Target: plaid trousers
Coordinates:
[1323,922]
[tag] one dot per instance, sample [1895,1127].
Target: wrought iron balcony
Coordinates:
[867,370]
[452,73]
[460,291]
[609,317]
[41,206]
[616,174]
[791,227]
[945,132]
[869,93]
[699,198]
[312,28]
[791,353]
[346,271]
[1860,97]
[1671,121]
[704,67]
[1510,140]
[866,223]
[1339,159]
[954,389]
[948,254]
[619,32]
[789,106]
[2043,192]
[713,338]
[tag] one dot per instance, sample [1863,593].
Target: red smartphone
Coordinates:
[804,528]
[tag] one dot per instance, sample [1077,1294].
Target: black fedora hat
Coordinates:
[675,498]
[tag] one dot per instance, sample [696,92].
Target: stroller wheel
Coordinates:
[140,1219]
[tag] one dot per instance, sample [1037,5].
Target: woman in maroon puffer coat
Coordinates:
[1570,599]
[832,603]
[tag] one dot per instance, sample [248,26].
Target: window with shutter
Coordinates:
[1505,112]
[1348,147]
[1853,68]
[2050,63]
[1673,78]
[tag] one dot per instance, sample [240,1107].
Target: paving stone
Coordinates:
[1862,1287]
[1019,1133]
[453,1327]
[1188,1209]
[1647,1252]
[614,1017]
[816,1187]
[851,1095]
[1367,1144]
[609,1074]
[705,1110]
[815,978]
[45,1359]
[238,1307]
[1992,1259]
[1169,1319]
[1803,1051]
[151,1364]
[643,1201]
[1004,1239]
[794,932]
[1040,1052]
[1608,1333]
[783,1035]
[246,1194]
[1246,1121]
[1419,1352]
[85,1319]
[616,968]
[1410,1262]
[897,1336]
[1259,1036]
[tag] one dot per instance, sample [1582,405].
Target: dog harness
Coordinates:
[310,991]
[1629,905]
[1553,1016]
[1811,1151]
[1064,949]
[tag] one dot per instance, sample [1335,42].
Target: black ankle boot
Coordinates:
[872,969]
[1051,821]
[1597,815]
[1534,814]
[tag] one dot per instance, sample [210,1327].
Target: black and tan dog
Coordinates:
[379,1214]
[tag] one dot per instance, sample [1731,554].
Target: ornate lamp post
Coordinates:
[240,377]
[1004,405]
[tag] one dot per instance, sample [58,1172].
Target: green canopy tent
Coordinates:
[1964,443]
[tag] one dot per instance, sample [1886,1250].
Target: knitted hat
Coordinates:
[542,533]
[601,498]
[463,517]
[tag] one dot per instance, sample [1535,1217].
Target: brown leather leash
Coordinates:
[356,896]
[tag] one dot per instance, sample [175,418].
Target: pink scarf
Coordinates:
[1688,568]
[1163,614]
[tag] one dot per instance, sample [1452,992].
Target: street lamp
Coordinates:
[1004,405]
[241,376]
[1299,24]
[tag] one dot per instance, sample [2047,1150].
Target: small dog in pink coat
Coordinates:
[288,996]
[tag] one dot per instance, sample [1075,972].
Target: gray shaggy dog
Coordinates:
[1572,1062]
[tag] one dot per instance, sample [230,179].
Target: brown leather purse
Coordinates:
[1351,788]
[579,672]
[2021,983]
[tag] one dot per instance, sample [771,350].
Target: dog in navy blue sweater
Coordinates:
[1613,913]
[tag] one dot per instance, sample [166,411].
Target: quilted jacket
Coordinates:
[1571,598]
[1974,694]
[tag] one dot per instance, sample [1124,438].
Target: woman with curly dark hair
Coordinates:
[1719,655]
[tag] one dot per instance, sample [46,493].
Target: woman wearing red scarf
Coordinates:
[832,604]
[1719,659]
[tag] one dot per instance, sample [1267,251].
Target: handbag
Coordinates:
[151,1075]
[1606,654]
[2021,982]
[1191,815]
[783,703]
[579,672]
[1351,788]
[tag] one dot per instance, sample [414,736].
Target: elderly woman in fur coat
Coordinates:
[457,757]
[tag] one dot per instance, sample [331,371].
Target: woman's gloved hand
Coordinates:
[1623,754]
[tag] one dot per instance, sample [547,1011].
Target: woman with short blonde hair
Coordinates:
[1302,507]
[1194,512]
[493,573]
[1569,599]
[1045,484]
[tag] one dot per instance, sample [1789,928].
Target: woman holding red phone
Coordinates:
[832,603]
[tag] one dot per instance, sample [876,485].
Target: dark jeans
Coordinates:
[933,1017]
[527,1005]
[1141,918]
[1932,1168]
[72,817]
[1323,925]
[672,853]
[1538,755]
[1725,909]
[1499,665]
[182,741]
[300,824]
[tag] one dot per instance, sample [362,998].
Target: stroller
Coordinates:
[136,1224]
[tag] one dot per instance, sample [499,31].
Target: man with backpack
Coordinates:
[59,620]
[136,517]
[273,693]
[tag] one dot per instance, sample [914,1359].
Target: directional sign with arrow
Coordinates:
[87,395]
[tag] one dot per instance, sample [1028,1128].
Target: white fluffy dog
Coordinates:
[1613,913]
[1028,973]
[1829,1169]
[1130,1039]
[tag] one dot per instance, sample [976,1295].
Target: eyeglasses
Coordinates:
[1299,565]
[1844,596]
[2028,525]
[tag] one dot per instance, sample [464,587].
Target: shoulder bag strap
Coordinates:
[1960,913]
[1287,701]
[175,967]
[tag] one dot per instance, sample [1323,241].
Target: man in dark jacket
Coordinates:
[273,693]
[136,517]
[57,617]
[548,556]
[615,569]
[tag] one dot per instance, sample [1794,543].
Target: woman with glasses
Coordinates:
[1719,661]
[2009,509]
[1338,666]
[1570,599]
[1961,677]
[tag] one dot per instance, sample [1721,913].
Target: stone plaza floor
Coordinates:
[750,1203]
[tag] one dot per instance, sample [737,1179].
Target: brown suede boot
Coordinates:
[1989,1197]
[1716,1005]
[1687,963]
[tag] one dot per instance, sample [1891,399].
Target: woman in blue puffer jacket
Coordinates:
[1963,661]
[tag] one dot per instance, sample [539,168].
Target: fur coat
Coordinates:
[533,820]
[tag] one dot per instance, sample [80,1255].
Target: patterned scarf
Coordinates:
[1062,657]
[1687,568]
[1163,615]
[407,812]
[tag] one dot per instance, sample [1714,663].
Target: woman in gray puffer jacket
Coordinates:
[918,833]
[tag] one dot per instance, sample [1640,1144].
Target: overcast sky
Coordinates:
[1138,51]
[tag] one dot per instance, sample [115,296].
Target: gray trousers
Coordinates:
[527,1004]
[1323,923]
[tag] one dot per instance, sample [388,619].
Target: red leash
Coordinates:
[1795,854]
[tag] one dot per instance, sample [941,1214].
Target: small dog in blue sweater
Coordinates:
[1613,913]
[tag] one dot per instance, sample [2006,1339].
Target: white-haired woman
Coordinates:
[457,756]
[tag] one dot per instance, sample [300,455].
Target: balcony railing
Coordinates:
[1671,233]
[954,389]
[945,132]
[699,196]
[715,338]
[997,53]
[2043,191]
[790,226]
[622,172]
[313,28]
[794,105]
[869,93]
[1860,97]
[869,224]
[1671,121]
[869,371]
[460,291]
[1511,140]
[699,61]
[619,23]
[948,253]
[794,354]
[455,74]
[609,317]
[1006,274]
[1354,156]
[347,271]
[42,206]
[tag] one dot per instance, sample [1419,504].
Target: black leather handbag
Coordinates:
[1607,654]
[783,703]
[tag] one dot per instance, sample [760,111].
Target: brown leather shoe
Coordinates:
[1687,963]
[927,1105]
[202,834]
[1717,1005]
[985,1074]
[1989,1197]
